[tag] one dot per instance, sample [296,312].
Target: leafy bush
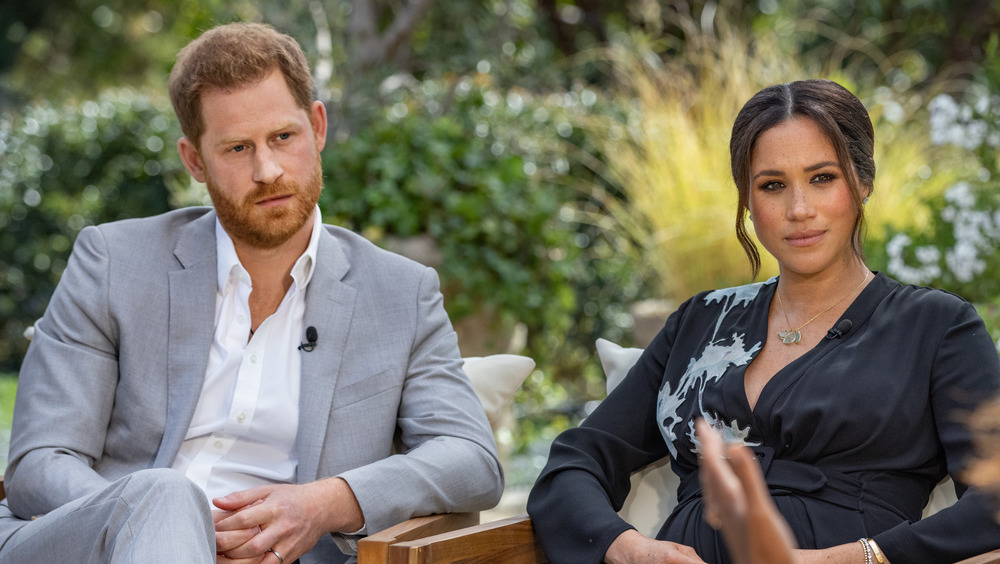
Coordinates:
[63,168]
[504,245]
[486,175]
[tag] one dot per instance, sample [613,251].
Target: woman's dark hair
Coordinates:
[836,111]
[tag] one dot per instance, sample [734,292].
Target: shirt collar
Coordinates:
[229,266]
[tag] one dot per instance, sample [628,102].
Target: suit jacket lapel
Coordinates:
[190,329]
[329,308]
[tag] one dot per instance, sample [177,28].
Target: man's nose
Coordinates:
[266,168]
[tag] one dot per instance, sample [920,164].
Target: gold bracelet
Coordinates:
[867,549]
[875,550]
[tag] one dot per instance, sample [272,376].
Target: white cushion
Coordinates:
[496,378]
[616,361]
[654,488]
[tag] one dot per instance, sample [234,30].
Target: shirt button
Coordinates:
[217,445]
[253,359]
[241,319]
[241,417]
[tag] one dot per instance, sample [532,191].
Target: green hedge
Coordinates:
[63,168]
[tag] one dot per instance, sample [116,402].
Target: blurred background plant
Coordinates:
[66,166]
[562,160]
[956,249]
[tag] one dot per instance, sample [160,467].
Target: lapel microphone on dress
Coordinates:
[311,337]
[840,329]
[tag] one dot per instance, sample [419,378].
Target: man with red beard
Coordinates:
[239,383]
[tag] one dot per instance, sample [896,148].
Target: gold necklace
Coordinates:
[791,336]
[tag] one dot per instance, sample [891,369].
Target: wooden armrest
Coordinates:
[374,549]
[506,541]
[509,540]
[985,558]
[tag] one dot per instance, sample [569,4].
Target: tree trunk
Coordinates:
[373,48]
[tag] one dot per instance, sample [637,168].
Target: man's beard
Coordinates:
[267,228]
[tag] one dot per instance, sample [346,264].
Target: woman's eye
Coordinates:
[824,177]
[771,186]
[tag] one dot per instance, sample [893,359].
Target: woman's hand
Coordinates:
[631,546]
[736,500]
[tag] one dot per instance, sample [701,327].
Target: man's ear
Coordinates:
[317,117]
[191,158]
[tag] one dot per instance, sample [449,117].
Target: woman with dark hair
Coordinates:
[847,386]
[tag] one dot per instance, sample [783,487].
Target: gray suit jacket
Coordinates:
[112,376]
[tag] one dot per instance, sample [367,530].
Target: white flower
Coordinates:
[896,245]
[928,254]
[961,195]
[897,267]
[951,123]
[963,261]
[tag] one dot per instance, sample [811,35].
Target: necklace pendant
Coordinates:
[790,337]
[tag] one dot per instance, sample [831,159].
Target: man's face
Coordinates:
[259,155]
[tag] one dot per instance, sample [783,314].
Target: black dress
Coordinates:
[852,436]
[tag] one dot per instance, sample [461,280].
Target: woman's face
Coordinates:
[800,201]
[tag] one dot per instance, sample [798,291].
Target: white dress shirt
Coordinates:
[243,431]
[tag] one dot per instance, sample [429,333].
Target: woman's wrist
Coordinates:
[850,553]
[869,558]
[622,547]
[872,551]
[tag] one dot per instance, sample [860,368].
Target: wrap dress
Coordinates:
[852,436]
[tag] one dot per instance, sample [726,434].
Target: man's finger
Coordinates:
[228,540]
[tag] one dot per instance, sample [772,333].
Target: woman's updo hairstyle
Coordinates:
[836,111]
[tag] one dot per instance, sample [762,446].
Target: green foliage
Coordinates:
[504,246]
[8,391]
[65,168]
[910,40]
[75,49]
[485,174]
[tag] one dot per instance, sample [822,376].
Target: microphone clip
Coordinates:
[840,329]
[311,337]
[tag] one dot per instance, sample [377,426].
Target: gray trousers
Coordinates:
[147,517]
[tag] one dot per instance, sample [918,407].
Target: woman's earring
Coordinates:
[864,200]
[751,217]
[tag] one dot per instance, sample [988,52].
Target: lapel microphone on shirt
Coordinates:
[311,337]
[839,330]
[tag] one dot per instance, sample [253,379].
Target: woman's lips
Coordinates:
[804,238]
